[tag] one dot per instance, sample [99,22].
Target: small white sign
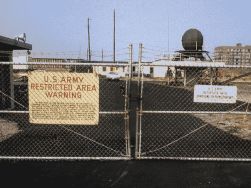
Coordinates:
[215,94]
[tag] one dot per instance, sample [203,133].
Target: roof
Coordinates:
[187,63]
[8,44]
[232,47]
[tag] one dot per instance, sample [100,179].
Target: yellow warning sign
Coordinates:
[63,98]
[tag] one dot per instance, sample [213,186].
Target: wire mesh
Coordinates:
[21,139]
[172,126]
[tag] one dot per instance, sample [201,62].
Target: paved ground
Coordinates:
[145,173]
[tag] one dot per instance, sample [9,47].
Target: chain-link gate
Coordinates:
[171,125]
[21,139]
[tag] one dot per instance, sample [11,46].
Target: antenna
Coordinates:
[89,42]
[114,35]
[21,37]
[79,55]
[168,34]
[102,55]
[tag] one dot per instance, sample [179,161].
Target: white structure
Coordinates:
[117,68]
[103,70]
[21,37]
[20,62]
[161,68]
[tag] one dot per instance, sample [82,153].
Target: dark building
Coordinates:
[7,46]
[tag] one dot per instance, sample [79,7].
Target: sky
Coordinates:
[61,25]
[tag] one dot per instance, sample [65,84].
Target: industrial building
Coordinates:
[48,60]
[233,55]
[7,45]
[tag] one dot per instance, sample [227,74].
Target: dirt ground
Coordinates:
[237,125]
[7,129]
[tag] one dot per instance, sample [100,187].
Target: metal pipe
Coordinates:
[64,63]
[27,112]
[141,85]
[126,109]
[195,112]
[185,77]
[63,158]
[137,136]
[211,76]
[199,158]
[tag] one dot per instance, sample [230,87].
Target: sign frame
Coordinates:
[215,94]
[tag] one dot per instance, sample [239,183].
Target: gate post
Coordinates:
[139,108]
[127,102]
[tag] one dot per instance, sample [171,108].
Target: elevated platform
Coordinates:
[213,64]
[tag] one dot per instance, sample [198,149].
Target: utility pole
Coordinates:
[89,42]
[114,36]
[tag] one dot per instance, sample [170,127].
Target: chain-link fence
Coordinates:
[42,107]
[171,122]
[189,110]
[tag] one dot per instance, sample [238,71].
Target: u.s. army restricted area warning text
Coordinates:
[63,98]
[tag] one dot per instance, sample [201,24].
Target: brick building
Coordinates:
[233,55]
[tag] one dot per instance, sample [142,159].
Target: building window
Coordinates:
[104,69]
[133,69]
[112,69]
[151,70]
